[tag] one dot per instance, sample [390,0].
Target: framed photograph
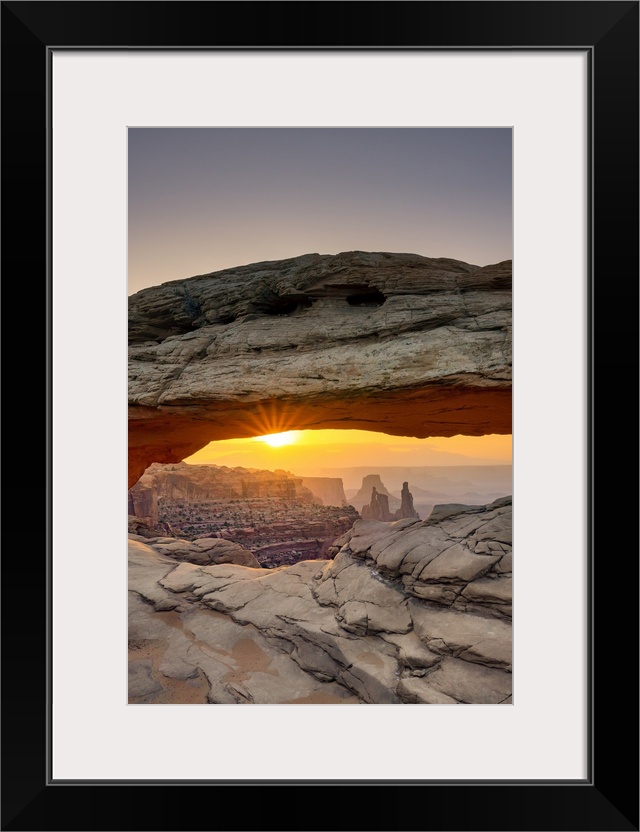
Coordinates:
[104,104]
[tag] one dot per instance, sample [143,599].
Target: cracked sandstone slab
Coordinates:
[318,631]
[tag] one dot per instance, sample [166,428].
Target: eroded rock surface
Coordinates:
[407,510]
[398,343]
[203,551]
[407,612]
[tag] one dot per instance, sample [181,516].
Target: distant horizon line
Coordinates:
[354,467]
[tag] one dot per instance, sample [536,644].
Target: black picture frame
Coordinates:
[608,798]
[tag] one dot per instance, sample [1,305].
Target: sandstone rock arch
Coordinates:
[398,343]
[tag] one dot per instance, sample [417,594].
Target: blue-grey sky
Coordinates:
[201,200]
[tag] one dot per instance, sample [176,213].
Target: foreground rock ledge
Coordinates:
[398,343]
[406,612]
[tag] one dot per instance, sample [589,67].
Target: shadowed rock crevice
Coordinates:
[366,298]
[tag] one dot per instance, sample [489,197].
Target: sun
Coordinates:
[277,440]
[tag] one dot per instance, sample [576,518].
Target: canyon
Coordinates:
[207,483]
[272,514]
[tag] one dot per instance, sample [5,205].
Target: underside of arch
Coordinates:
[396,343]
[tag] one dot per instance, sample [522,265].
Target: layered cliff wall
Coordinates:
[203,483]
[328,489]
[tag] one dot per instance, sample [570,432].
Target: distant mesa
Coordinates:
[379,503]
[328,490]
[370,482]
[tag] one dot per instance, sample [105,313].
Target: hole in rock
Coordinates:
[371,298]
[288,495]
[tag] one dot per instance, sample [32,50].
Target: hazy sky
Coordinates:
[201,200]
[312,451]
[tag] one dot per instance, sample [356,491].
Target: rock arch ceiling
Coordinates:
[397,343]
